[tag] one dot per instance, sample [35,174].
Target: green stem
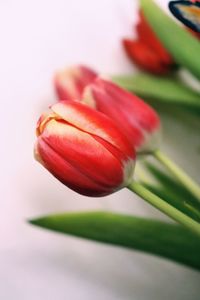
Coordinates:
[183,178]
[164,207]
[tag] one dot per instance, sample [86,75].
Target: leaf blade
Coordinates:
[159,238]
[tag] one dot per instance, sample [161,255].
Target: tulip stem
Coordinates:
[175,170]
[164,207]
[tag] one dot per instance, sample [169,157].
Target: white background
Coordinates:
[37,38]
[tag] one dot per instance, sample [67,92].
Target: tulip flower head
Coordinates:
[84,149]
[138,121]
[147,51]
[70,83]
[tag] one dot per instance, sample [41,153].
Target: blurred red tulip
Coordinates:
[138,121]
[147,51]
[84,149]
[69,83]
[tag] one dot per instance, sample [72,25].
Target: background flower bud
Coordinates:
[144,57]
[69,83]
[138,121]
[84,149]
[146,50]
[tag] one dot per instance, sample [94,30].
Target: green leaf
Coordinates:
[169,90]
[183,46]
[159,238]
[172,192]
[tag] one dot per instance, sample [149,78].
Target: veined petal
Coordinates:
[87,120]
[136,119]
[138,113]
[68,174]
[85,153]
[115,110]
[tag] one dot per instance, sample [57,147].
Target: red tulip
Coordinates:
[84,149]
[147,51]
[138,121]
[69,83]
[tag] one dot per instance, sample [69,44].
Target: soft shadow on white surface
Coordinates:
[74,269]
[37,37]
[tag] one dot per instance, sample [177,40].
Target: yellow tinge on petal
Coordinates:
[44,119]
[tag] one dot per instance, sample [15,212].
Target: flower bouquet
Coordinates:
[99,134]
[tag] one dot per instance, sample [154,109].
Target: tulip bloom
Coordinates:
[146,50]
[84,149]
[138,121]
[70,83]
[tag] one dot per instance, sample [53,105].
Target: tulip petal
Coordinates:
[137,119]
[107,104]
[70,82]
[84,153]
[145,57]
[87,120]
[68,174]
[137,111]
[147,36]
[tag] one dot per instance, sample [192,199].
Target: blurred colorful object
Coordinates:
[188,12]
[84,149]
[147,51]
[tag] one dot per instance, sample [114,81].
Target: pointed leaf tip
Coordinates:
[151,236]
